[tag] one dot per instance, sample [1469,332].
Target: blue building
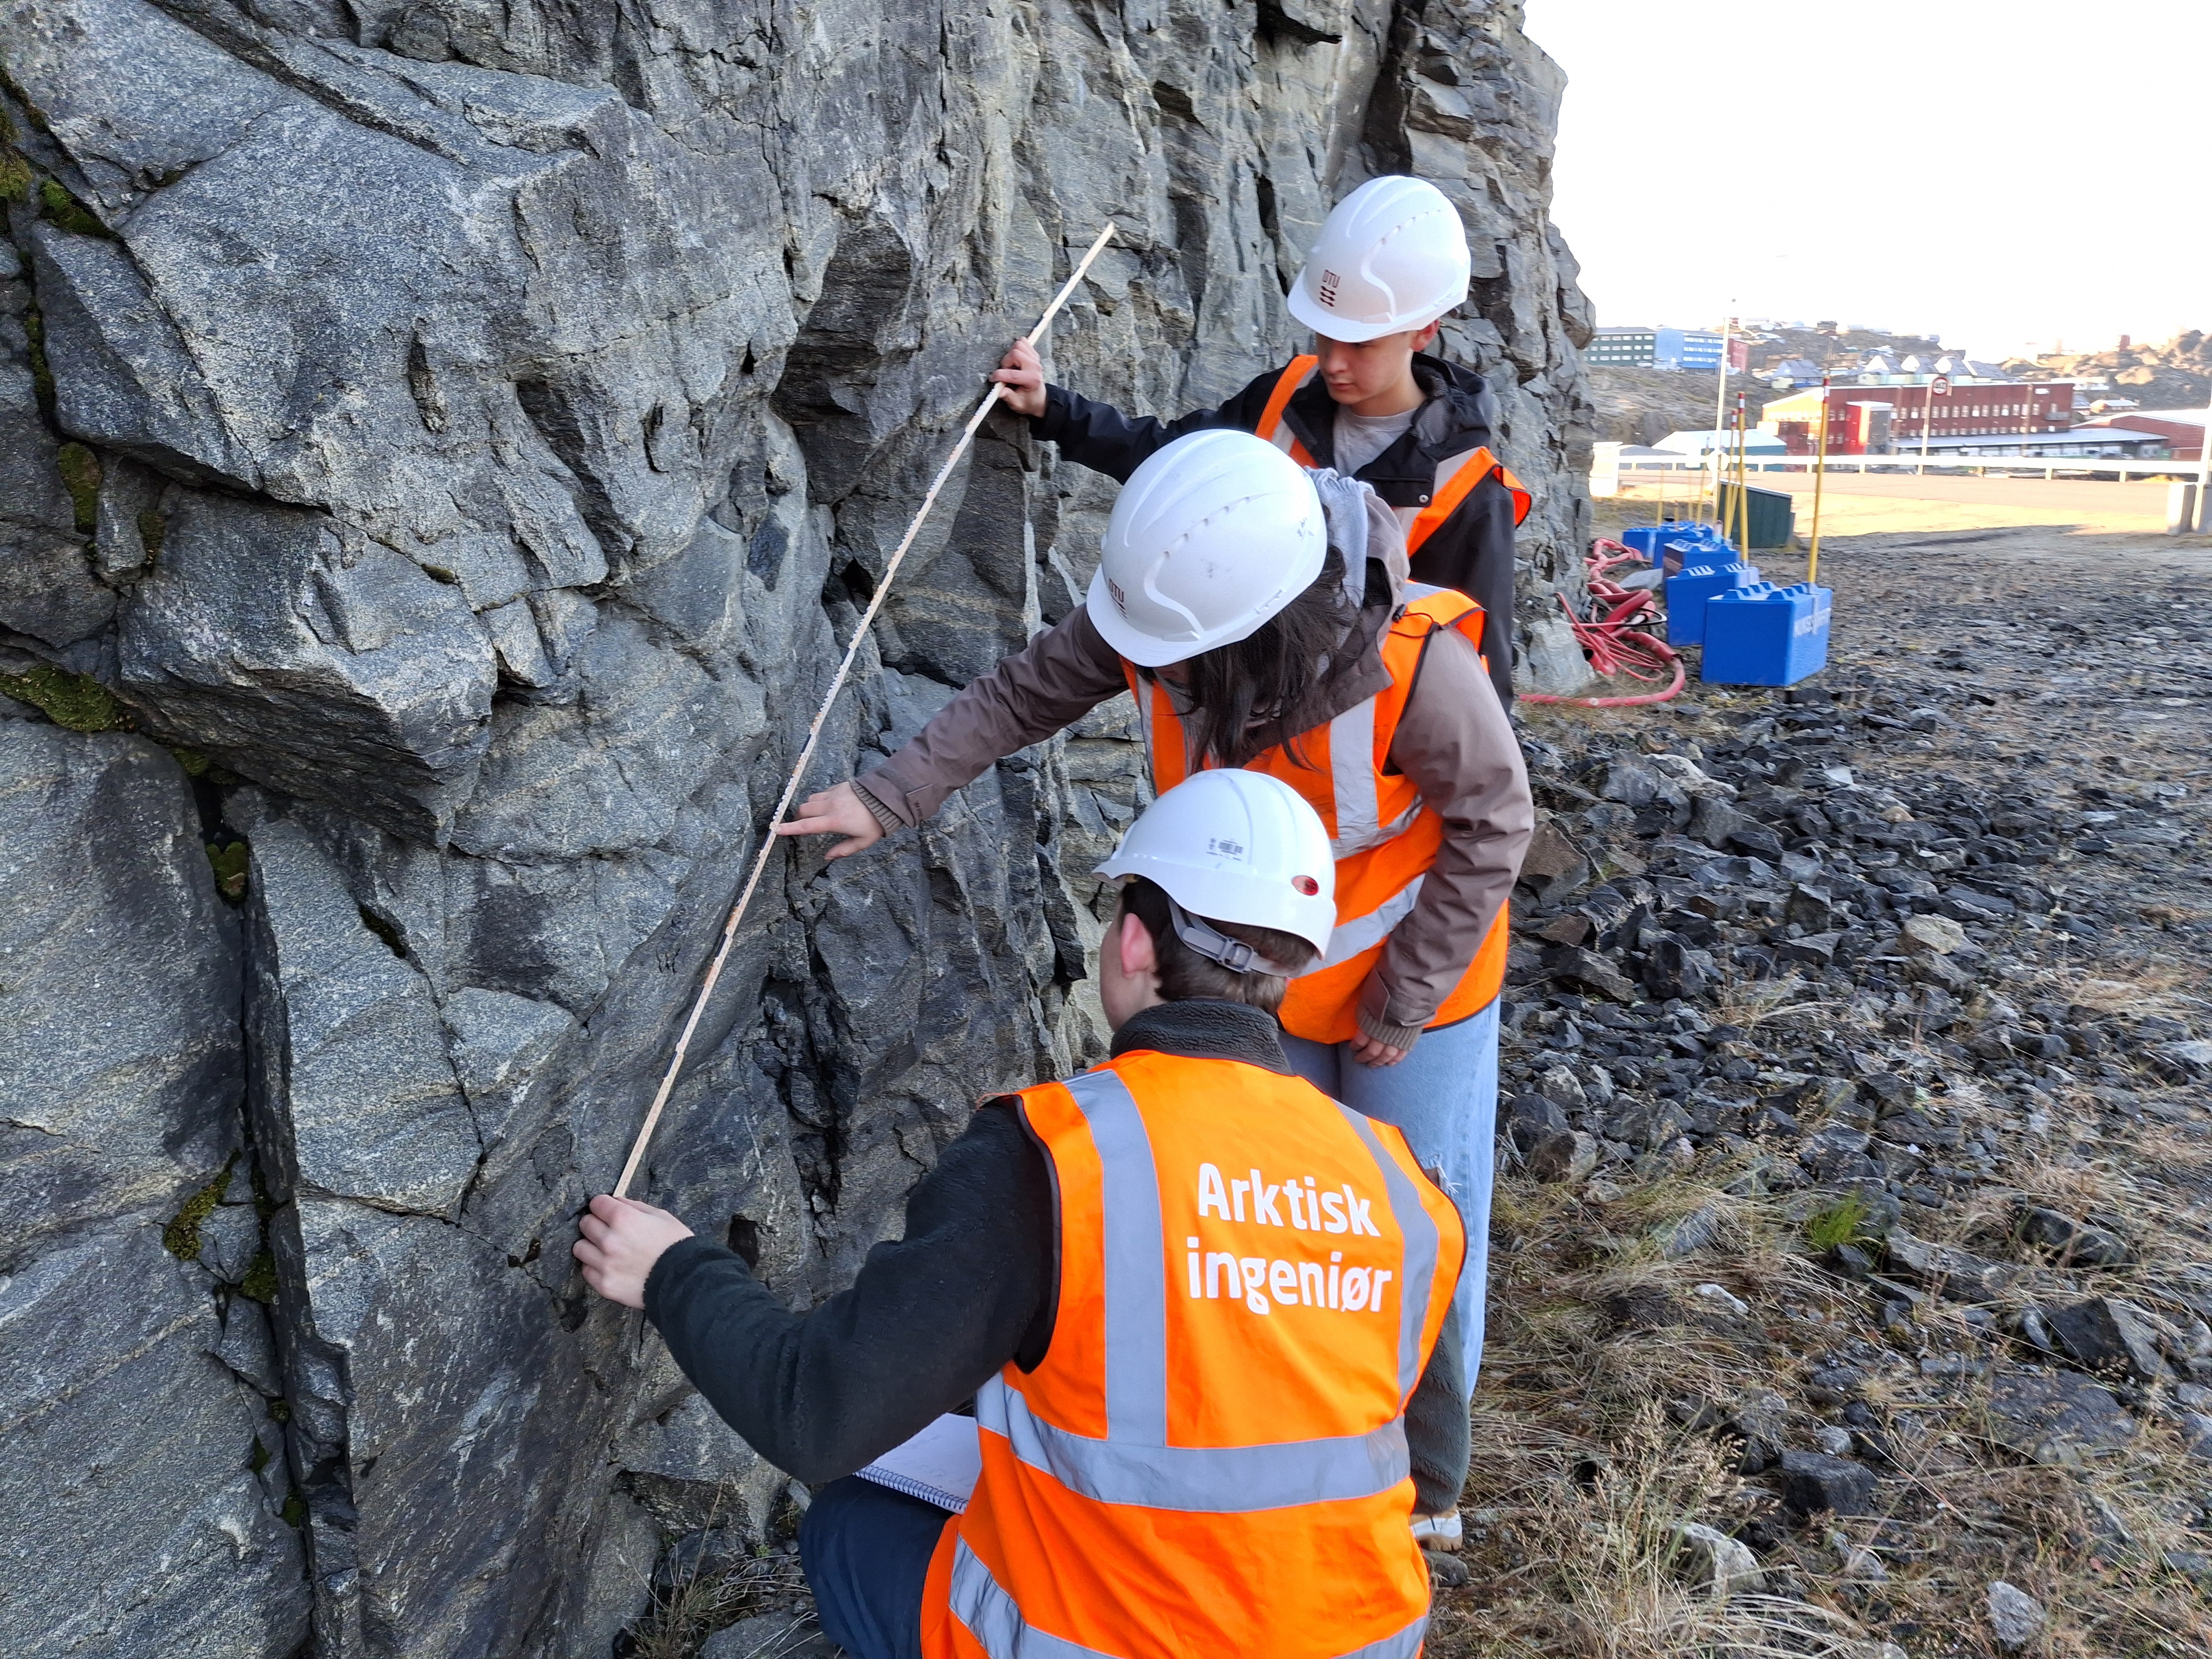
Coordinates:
[1656,348]
[1687,349]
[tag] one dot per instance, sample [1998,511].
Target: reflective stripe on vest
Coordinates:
[1383,836]
[992,1619]
[1174,1439]
[1203,1479]
[1348,938]
[1271,427]
[1456,479]
[1420,1236]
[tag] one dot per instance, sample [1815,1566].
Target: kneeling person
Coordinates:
[1198,1305]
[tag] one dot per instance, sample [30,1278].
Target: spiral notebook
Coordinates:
[939,1466]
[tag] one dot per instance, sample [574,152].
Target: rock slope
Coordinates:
[442,447]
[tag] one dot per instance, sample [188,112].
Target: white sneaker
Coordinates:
[1437,1531]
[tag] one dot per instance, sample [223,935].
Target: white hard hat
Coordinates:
[1391,257]
[1212,536]
[1235,846]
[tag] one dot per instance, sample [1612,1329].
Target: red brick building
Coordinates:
[2183,429]
[1969,409]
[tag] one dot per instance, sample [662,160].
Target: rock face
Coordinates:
[135,1403]
[464,435]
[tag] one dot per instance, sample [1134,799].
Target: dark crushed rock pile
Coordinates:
[1669,874]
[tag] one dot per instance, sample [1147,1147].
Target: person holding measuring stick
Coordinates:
[1370,401]
[1258,629]
[1201,1309]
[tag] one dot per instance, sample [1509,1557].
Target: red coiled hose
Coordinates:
[1615,637]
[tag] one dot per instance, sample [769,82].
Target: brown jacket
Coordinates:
[1454,741]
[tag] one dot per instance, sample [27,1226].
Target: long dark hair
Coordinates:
[1250,697]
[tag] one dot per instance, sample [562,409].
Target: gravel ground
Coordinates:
[1856,1257]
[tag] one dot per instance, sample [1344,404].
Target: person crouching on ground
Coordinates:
[1258,629]
[1371,400]
[1201,1310]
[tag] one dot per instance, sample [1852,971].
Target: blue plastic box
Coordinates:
[1686,595]
[1645,537]
[1763,635]
[1679,543]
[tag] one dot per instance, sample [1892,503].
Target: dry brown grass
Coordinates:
[1590,1448]
[698,1604]
[700,1601]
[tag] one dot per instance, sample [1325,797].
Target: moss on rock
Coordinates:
[181,1237]
[77,702]
[64,212]
[260,1280]
[80,470]
[42,373]
[230,859]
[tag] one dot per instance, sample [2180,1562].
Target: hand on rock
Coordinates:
[623,1238]
[1022,373]
[838,811]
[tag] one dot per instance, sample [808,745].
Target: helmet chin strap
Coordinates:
[1216,946]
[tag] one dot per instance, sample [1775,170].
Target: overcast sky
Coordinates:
[1996,171]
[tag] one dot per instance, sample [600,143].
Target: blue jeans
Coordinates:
[866,1550]
[1444,1095]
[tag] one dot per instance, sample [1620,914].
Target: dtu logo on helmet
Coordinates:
[1328,295]
[1121,600]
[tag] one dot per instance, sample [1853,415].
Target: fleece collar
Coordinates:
[1203,1029]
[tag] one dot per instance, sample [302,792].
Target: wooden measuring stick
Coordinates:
[820,717]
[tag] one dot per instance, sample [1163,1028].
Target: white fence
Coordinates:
[2008,466]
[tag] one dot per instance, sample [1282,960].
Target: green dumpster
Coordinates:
[1773,516]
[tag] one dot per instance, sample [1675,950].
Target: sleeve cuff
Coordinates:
[876,805]
[1048,426]
[1373,1014]
[1398,1037]
[677,1259]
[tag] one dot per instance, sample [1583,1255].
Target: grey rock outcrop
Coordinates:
[466,434]
[135,1399]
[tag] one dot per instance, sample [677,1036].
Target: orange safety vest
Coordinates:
[1210,1458]
[1456,475]
[1384,836]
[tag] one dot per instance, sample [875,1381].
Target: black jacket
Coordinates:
[970,1286]
[1472,551]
